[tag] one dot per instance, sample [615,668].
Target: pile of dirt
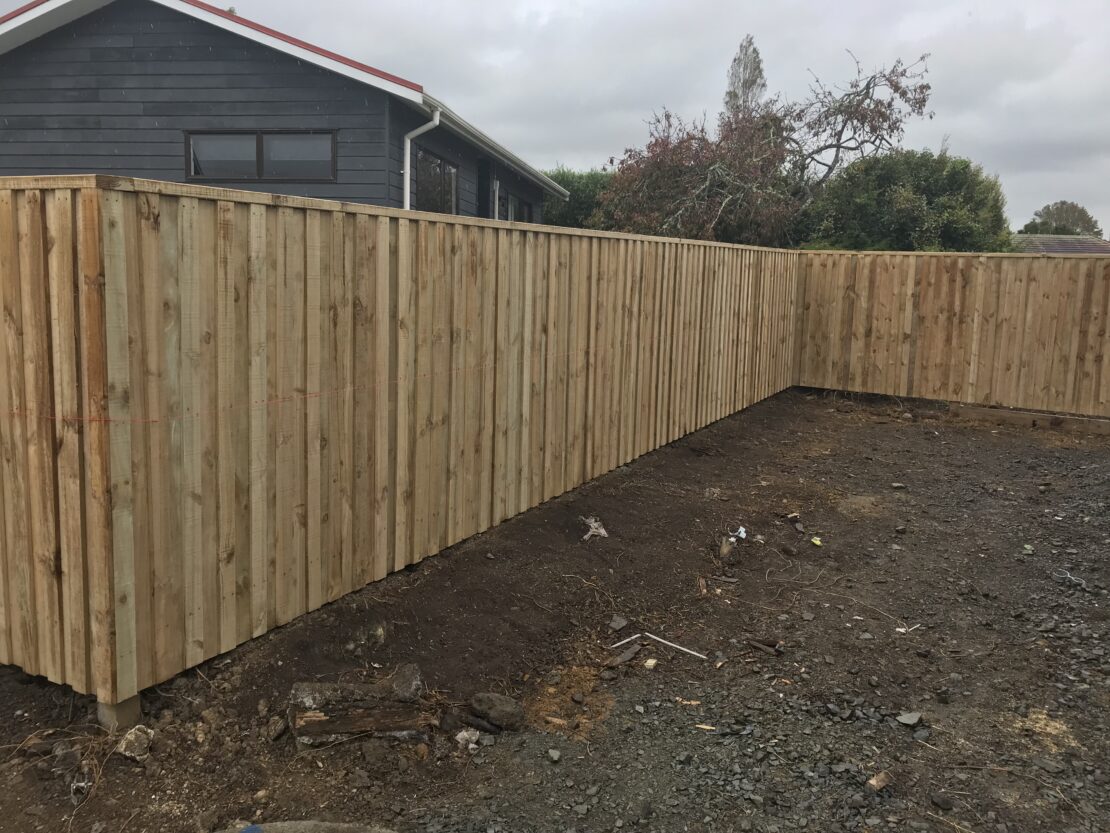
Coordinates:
[919,603]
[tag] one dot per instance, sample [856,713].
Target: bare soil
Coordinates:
[962,574]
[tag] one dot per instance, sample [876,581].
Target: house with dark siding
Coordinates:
[183,91]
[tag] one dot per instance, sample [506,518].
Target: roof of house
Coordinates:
[38,17]
[1061,244]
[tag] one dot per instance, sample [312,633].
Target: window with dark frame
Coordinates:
[275,156]
[519,210]
[437,183]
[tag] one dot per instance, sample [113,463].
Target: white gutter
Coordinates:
[412,134]
[455,123]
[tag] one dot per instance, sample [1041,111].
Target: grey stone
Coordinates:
[500,710]
[360,778]
[618,623]
[628,655]
[136,744]
[1049,765]
[909,718]
[66,757]
[942,801]
[407,683]
[275,728]
[554,755]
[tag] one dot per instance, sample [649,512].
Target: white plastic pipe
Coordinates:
[412,134]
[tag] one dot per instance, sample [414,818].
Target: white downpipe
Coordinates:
[412,134]
[496,213]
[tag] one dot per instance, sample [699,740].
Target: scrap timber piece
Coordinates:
[321,712]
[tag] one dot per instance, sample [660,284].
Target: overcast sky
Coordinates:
[1021,86]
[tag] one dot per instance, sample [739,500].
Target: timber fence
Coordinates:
[222,409]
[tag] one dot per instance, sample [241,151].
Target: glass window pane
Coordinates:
[224,156]
[430,194]
[297,156]
[451,188]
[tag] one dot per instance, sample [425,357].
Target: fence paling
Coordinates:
[220,410]
[1011,330]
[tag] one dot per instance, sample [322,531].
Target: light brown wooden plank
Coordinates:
[423,421]
[502,391]
[118,212]
[456,493]
[527,275]
[345,380]
[65,359]
[384,371]
[9,499]
[537,377]
[226,440]
[579,292]
[291,519]
[23,631]
[95,443]
[39,425]
[365,402]
[315,432]
[440,382]
[158,230]
[259,282]
[468,496]
[487,419]
[555,370]
[406,321]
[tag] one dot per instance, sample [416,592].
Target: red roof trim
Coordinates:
[21,10]
[265,30]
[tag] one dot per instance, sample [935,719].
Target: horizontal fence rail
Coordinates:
[221,409]
[1022,331]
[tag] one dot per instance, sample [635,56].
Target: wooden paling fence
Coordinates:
[220,409]
[1023,331]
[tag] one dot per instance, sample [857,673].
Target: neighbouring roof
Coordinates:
[1061,244]
[38,17]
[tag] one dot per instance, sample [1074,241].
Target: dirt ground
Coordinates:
[962,576]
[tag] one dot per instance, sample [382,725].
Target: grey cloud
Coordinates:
[1020,86]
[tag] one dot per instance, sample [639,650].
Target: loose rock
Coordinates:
[136,744]
[500,710]
[275,728]
[942,801]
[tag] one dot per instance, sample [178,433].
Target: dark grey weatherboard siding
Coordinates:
[114,92]
[447,145]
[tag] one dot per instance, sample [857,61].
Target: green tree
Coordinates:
[908,200]
[747,84]
[746,179]
[1063,217]
[585,188]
